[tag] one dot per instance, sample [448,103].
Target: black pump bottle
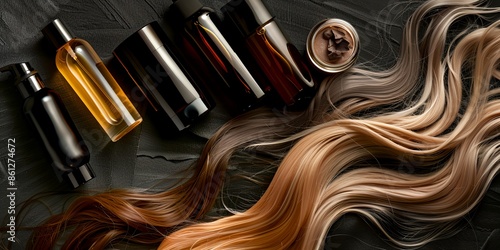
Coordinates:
[46,112]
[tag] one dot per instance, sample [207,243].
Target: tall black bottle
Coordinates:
[46,112]
[201,28]
[149,60]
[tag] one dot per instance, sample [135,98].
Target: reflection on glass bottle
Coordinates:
[278,59]
[203,28]
[88,76]
[147,57]
[46,112]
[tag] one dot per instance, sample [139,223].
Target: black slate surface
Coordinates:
[149,156]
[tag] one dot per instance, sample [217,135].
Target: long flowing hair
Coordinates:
[438,105]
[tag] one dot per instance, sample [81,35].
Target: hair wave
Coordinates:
[339,156]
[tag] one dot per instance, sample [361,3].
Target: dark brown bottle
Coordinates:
[202,28]
[46,112]
[278,59]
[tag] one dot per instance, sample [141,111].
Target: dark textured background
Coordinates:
[149,156]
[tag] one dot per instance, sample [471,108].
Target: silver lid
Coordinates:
[79,176]
[57,33]
[26,78]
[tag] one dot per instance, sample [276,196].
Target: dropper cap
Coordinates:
[27,79]
[57,33]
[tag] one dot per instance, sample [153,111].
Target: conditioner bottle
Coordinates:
[204,30]
[254,26]
[45,111]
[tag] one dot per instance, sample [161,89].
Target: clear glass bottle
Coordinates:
[93,83]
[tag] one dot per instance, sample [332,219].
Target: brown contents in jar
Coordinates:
[333,45]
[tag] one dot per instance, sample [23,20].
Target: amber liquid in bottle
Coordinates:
[277,58]
[96,87]
[280,70]
[239,84]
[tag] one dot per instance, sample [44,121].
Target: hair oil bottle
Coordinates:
[203,29]
[88,76]
[280,60]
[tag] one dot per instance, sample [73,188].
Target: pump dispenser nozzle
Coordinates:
[27,79]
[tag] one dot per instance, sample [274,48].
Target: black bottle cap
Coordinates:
[147,59]
[57,33]
[27,79]
[247,15]
[79,176]
[186,8]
